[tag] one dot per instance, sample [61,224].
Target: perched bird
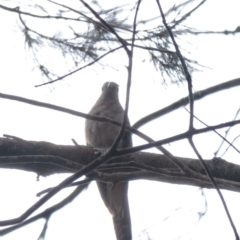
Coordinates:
[102,135]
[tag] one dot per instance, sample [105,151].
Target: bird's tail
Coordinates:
[122,226]
[116,200]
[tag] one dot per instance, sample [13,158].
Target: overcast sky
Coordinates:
[150,202]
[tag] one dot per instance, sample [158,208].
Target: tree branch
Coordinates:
[184,101]
[135,166]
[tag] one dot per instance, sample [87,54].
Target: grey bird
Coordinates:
[102,135]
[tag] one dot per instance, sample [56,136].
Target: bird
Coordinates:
[102,135]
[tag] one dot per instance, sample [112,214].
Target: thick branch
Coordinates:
[131,166]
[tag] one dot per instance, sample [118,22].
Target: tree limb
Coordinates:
[124,168]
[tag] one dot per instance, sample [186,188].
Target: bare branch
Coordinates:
[184,101]
[184,66]
[224,138]
[109,27]
[216,187]
[46,213]
[79,69]
[17,10]
[226,133]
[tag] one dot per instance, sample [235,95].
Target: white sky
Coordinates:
[150,202]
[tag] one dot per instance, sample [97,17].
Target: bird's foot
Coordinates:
[100,151]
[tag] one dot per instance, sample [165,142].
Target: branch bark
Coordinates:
[45,158]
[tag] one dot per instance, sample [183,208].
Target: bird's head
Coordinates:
[110,86]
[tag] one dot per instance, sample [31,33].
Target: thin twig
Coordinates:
[109,27]
[46,212]
[184,66]
[175,138]
[80,13]
[79,69]
[216,187]
[230,145]
[77,183]
[224,138]
[129,68]
[183,18]
[17,10]
[226,133]
[44,230]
